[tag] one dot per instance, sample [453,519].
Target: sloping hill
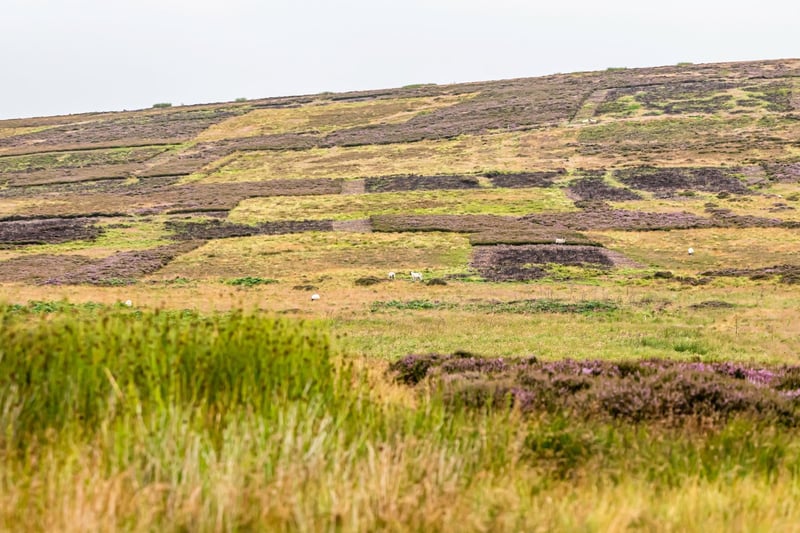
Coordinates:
[599,158]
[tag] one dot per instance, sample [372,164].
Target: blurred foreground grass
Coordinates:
[113,418]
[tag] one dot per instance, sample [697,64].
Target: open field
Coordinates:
[565,364]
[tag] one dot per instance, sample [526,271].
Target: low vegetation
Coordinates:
[211,321]
[116,416]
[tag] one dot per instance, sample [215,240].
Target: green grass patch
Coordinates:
[511,202]
[73,372]
[250,281]
[514,307]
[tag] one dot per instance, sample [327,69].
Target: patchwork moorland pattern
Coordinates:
[717,145]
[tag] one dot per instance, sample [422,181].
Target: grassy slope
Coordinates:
[151,168]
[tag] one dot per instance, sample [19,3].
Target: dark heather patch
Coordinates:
[123,268]
[218,229]
[789,274]
[125,129]
[420,183]
[524,180]
[48,231]
[619,219]
[668,181]
[162,195]
[598,189]
[712,304]
[783,172]
[528,262]
[40,267]
[656,391]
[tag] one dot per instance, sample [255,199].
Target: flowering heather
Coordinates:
[647,390]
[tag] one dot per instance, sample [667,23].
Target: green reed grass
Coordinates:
[80,369]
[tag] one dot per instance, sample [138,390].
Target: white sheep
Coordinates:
[561,241]
[128,303]
[314,297]
[391,275]
[691,251]
[416,276]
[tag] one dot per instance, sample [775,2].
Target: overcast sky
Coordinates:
[70,56]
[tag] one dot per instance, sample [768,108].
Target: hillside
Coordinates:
[466,183]
[606,336]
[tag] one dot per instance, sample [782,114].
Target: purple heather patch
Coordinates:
[648,390]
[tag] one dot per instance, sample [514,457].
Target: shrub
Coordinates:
[368,280]
[250,281]
[162,105]
[666,392]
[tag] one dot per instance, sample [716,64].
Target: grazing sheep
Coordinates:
[561,241]
[416,276]
[314,297]
[691,251]
[129,303]
[391,275]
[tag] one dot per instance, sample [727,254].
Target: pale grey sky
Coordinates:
[70,56]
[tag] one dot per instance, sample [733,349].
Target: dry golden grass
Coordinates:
[403,486]
[715,248]
[13,132]
[326,116]
[654,316]
[351,207]
[765,205]
[703,140]
[24,206]
[508,152]
[313,255]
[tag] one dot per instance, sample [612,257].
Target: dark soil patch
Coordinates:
[420,183]
[666,182]
[217,229]
[593,189]
[48,231]
[528,262]
[656,391]
[525,180]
